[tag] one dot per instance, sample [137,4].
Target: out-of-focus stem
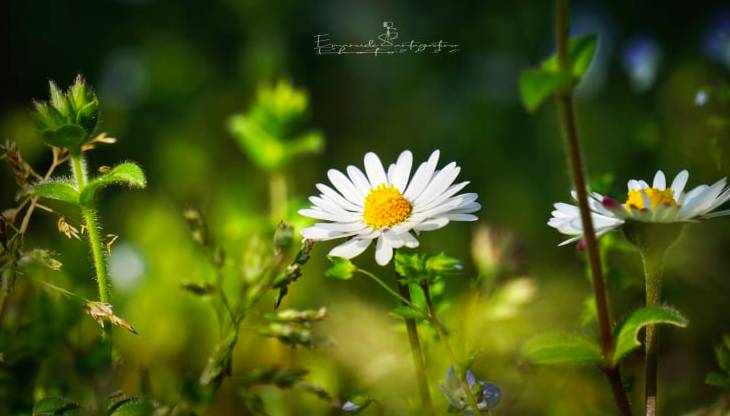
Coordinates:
[418,362]
[278,195]
[565,102]
[463,383]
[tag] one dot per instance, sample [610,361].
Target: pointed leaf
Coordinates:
[407,312]
[716,379]
[53,406]
[132,406]
[342,269]
[538,84]
[561,348]
[128,173]
[580,51]
[627,331]
[60,191]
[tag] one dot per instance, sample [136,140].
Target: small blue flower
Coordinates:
[487,393]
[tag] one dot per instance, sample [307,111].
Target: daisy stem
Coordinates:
[460,374]
[78,167]
[565,101]
[653,274]
[418,359]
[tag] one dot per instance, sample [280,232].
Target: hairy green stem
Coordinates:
[417,353]
[653,278]
[93,229]
[565,102]
[460,375]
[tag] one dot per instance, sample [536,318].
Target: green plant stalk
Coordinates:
[78,168]
[417,353]
[653,277]
[565,102]
[278,196]
[463,383]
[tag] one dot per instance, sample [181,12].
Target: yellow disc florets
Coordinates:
[656,197]
[385,206]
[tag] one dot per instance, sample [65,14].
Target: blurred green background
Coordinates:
[170,73]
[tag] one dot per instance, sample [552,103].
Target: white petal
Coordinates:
[422,177]
[375,171]
[409,240]
[679,183]
[453,189]
[660,182]
[717,214]
[440,182]
[383,252]
[327,216]
[359,180]
[337,198]
[356,226]
[327,205]
[320,234]
[351,248]
[344,186]
[460,217]
[431,224]
[402,170]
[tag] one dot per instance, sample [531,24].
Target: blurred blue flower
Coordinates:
[640,59]
[716,41]
[701,98]
[487,393]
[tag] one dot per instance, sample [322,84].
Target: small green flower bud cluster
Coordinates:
[68,119]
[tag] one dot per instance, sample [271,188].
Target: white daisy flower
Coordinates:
[652,204]
[387,207]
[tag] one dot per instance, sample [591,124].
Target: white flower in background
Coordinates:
[387,207]
[650,204]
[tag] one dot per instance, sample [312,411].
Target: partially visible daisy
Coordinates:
[649,204]
[387,206]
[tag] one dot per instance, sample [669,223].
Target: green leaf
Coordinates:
[722,356]
[580,52]
[128,173]
[132,406]
[538,84]
[407,312]
[342,269]
[628,330]
[443,264]
[52,406]
[716,379]
[561,348]
[60,191]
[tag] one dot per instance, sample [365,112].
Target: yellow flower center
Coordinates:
[385,207]
[655,196]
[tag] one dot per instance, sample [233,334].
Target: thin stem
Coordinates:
[653,275]
[460,376]
[278,195]
[415,345]
[78,167]
[387,288]
[565,102]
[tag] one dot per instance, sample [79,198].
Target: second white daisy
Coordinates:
[387,206]
[655,204]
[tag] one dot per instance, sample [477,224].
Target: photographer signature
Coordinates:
[384,45]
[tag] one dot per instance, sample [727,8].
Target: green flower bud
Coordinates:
[283,237]
[68,119]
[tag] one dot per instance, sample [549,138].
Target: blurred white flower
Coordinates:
[649,204]
[387,206]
